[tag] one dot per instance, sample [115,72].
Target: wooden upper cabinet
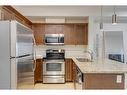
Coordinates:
[69,35]
[39,33]
[81,34]
[9,13]
[76,34]
[54,29]
[18,18]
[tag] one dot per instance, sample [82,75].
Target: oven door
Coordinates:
[53,67]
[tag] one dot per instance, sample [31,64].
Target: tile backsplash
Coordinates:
[70,50]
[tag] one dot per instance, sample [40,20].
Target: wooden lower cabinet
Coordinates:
[103,81]
[68,70]
[38,71]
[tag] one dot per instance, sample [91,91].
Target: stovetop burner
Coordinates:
[55,54]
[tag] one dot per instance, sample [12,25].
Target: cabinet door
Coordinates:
[68,70]
[69,34]
[54,29]
[7,15]
[81,34]
[38,33]
[38,71]
[76,34]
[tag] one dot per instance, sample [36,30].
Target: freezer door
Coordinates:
[24,42]
[25,70]
[21,39]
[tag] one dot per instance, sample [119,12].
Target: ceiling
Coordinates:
[39,13]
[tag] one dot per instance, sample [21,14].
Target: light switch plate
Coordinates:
[119,79]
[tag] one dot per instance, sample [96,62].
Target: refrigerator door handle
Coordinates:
[34,54]
[12,57]
[34,67]
[21,56]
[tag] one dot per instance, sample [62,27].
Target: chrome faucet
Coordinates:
[90,52]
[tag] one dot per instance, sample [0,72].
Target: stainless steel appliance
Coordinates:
[79,79]
[54,39]
[16,55]
[116,57]
[54,66]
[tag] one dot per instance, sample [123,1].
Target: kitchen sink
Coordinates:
[83,60]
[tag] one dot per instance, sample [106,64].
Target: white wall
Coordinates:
[110,27]
[113,42]
[70,10]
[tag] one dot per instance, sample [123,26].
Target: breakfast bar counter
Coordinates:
[102,74]
[101,66]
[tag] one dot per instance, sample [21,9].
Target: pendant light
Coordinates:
[101,21]
[114,17]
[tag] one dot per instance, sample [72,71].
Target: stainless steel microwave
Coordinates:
[54,39]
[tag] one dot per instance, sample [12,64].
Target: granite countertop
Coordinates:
[101,66]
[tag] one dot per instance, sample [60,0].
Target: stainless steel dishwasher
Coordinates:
[79,79]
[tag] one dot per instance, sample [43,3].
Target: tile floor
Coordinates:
[37,86]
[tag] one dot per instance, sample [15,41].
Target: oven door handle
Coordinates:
[55,62]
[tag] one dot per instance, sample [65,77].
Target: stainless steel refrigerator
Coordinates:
[16,55]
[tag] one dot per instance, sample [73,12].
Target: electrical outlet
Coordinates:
[119,79]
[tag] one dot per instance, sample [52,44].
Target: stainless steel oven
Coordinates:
[54,39]
[53,71]
[54,66]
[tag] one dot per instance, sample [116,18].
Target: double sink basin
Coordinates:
[83,60]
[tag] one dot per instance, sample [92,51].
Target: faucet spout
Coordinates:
[90,52]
